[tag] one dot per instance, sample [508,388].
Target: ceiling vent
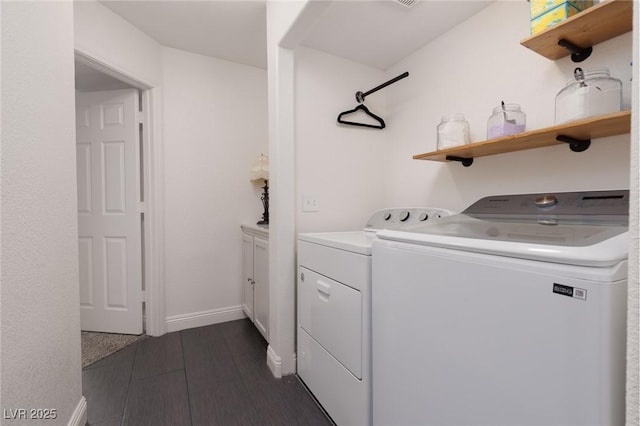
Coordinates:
[406,3]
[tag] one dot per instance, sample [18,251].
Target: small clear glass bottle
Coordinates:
[507,119]
[588,94]
[453,130]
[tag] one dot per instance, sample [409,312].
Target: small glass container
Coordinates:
[588,94]
[453,130]
[507,119]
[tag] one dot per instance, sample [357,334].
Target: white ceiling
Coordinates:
[381,33]
[378,33]
[231,30]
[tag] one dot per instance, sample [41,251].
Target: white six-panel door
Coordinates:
[109,223]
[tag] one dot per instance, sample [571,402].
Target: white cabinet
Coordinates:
[255,276]
[247,275]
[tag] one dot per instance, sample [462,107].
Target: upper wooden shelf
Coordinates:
[594,25]
[617,123]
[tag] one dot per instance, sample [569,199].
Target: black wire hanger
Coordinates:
[361,107]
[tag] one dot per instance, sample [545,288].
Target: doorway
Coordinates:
[93,75]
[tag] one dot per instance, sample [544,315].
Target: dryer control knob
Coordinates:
[546,201]
[387,216]
[404,215]
[423,216]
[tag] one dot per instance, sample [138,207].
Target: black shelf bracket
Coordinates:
[465,161]
[576,145]
[578,54]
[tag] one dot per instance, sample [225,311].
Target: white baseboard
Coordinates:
[274,362]
[200,319]
[79,416]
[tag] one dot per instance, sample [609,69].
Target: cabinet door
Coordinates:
[247,275]
[261,288]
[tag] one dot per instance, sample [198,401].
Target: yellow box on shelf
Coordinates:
[546,13]
[538,7]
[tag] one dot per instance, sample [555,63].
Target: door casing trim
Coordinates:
[153,156]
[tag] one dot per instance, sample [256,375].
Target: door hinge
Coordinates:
[140,116]
[141,207]
[144,296]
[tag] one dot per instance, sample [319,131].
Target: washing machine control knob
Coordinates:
[387,216]
[423,216]
[404,215]
[546,201]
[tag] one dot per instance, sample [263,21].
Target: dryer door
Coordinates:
[331,313]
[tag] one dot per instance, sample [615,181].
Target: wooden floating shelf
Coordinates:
[617,123]
[594,25]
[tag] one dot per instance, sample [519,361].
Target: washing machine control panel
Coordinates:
[398,218]
[589,203]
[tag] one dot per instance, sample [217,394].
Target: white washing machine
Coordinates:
[334,313]
[510,313]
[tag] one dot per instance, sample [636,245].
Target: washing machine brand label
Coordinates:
[565,290]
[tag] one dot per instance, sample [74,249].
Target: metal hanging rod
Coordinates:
[360,96]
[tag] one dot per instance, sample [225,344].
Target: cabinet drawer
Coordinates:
[332,314]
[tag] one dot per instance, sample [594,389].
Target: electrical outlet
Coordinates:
[310,204]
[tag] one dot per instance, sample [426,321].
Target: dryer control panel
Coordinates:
[400,218]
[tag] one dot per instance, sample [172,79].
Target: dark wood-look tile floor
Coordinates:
[215,375]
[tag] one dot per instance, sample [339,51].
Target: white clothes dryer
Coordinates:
[510,313]
[334,312]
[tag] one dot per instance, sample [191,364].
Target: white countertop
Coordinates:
[259,230]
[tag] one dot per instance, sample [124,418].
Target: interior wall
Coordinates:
[111,39]
[633,311]
[470,69]
[40,316]
[215,126]
[337,165]
[287,22]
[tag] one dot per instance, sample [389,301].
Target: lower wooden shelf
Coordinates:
[617,123]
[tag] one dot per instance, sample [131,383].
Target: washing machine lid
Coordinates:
[586,228]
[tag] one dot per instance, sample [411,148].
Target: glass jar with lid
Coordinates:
[588,94]
[507,119]
[453,131]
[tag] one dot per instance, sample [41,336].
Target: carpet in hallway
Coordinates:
[96,346]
